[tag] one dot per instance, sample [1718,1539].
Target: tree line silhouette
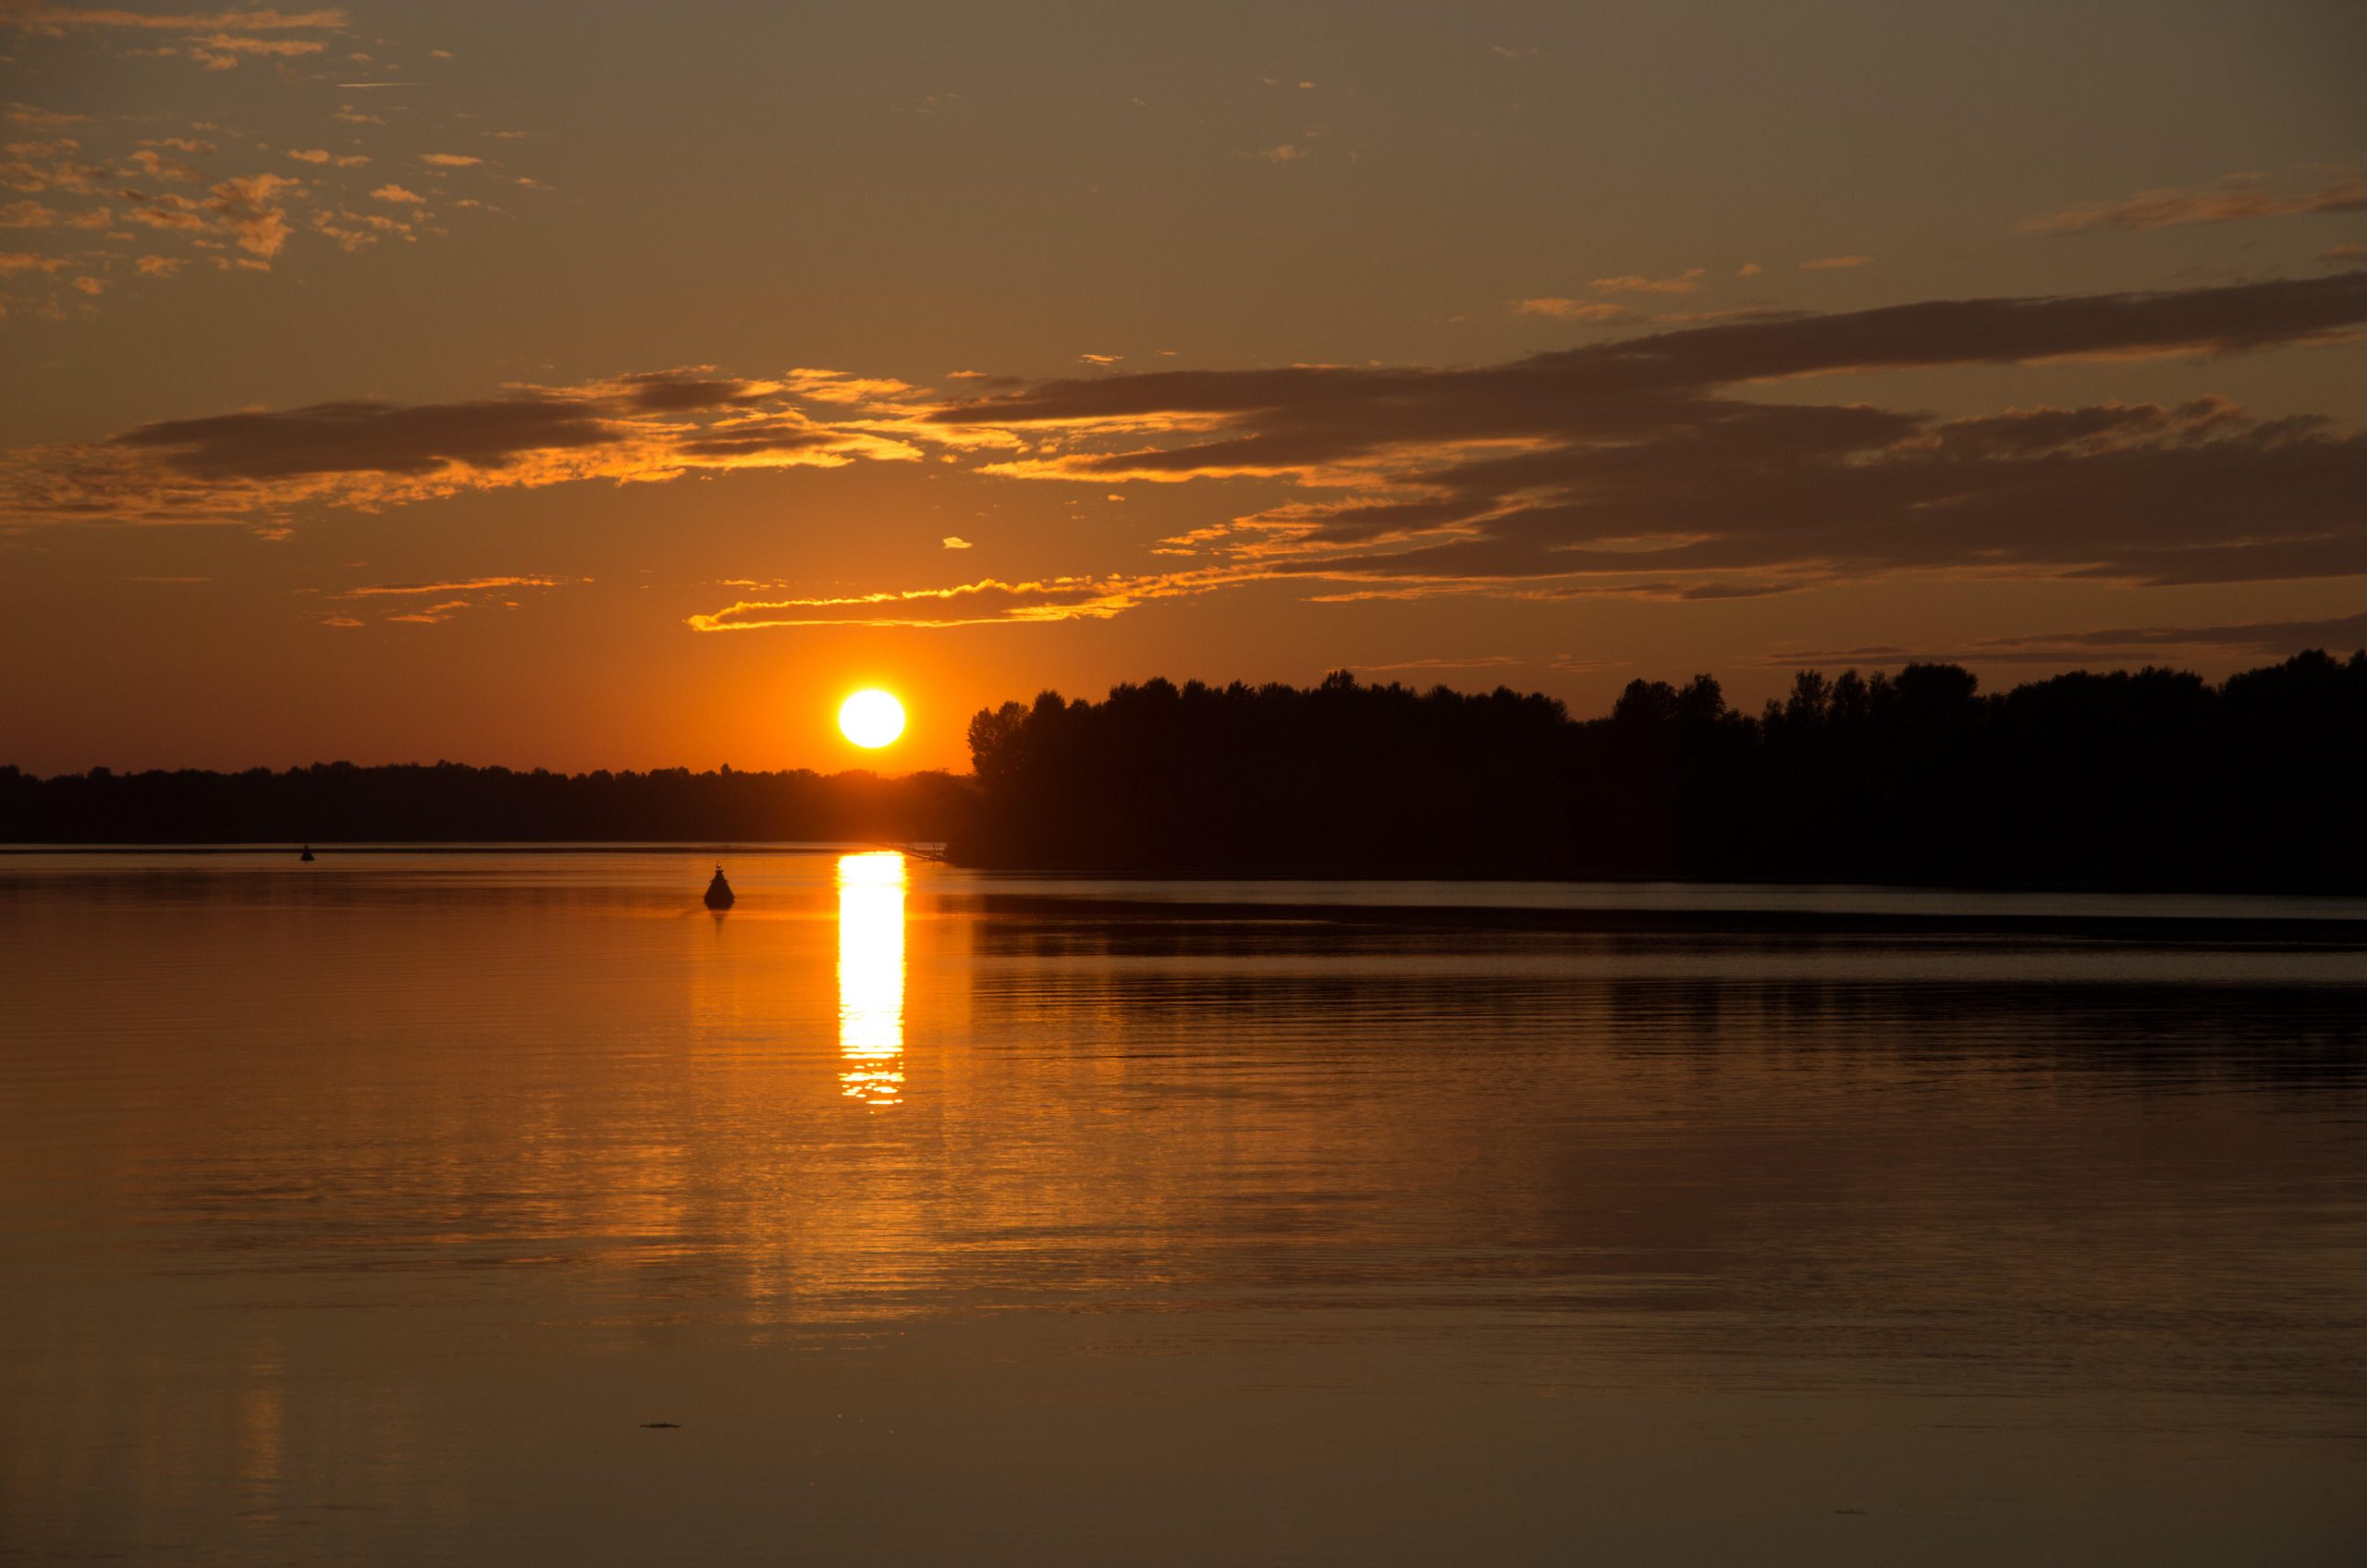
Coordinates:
[339,803]
[2155,778]
[2151,778]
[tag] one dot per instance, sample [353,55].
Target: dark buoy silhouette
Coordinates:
[718,893]
[307,855]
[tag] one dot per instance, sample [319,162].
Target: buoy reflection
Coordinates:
[871,977]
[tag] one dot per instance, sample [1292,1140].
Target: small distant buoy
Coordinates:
[307,855]
[718,893]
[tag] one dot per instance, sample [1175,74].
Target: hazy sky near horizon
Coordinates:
[609,386]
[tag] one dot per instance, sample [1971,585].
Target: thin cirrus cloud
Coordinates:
[1633,283]
[459,586]
[987,602]
[1481,661]
[984,602]
[450,598]
[2271,639]
[2231,202]
[1561,308]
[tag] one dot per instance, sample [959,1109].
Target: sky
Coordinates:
[611,385]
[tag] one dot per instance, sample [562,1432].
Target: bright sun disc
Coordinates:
[871,718]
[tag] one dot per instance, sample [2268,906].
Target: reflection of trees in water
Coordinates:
[1527,985]
[2038,1176]
[2160,1035]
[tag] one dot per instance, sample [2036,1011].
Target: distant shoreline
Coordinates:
[1014,897]
[487,847]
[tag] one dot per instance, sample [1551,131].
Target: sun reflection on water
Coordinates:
[871,977]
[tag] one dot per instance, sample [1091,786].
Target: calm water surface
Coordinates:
[367,1211]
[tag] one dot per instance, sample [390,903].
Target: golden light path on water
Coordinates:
[871,977]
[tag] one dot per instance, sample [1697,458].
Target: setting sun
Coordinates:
[871,718]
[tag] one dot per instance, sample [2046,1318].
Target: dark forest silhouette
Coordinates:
[2155,779]
[339,803]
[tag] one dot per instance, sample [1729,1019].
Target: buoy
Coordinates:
[718,893]
[307,855]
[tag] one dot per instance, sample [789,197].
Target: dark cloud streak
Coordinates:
[1639,457]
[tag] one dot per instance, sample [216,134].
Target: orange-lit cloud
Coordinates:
[1571,310]
[434,614]
[258,214]
[1630,468]
[463,585]
[1631,283]
[451,597]
[984,602]
[1625,467]
[251,209]
[155,165]
[211,48]
[263,465]
[56,19]
[215,41]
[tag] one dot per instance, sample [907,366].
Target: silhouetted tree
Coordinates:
[2155,778]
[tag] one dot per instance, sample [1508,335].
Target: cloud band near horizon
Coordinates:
[1635,466]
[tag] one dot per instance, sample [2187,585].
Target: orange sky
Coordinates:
[578,386]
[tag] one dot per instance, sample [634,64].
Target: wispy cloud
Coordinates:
[1629,466]
[1479,661]
[984,602]
[1631,283]
[2231,201]
[1571,310]
[451,597]
[1651,466]
[2249,640]
[460,586]
[57,19]
[264,465]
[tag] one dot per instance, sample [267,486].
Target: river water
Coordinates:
[379,1210]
